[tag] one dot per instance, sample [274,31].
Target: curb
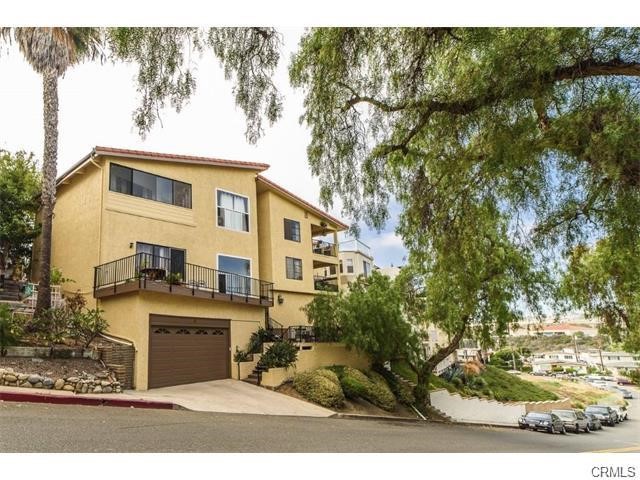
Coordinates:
[355,416]
[87,401]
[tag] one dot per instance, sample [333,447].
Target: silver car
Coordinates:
[573,420]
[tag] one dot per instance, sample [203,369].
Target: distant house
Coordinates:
[614,361]
[566,358]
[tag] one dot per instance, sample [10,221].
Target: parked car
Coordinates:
[626,394]
[604,413]
[573,420]
[623,381]
[594,422]
[548,422]
[622,412]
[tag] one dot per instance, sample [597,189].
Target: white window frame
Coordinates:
[353,270]
[248,211]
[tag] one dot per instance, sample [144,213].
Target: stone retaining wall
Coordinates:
[119,358]
[102,382]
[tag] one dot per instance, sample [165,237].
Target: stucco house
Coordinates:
[187,255]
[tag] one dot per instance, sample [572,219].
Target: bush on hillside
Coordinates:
[318,386]
[279,355]
[356,384]
[402,391]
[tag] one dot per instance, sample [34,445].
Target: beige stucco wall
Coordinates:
[288,313]
[76,230]
[318,355]
[128,317]
[271,227]
[129,219]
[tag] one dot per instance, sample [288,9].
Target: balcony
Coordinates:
[355,245]
[325,284]
[144,271]
[324,253]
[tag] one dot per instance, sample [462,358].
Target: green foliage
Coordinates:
[504,359]
[368,317]
[72,321]
[166,72]
[401,391]
[174,279]
[241,356]
[19,189]
[541,343]
[278,355]
[604,281]
[257,339]
[492,383]
[328,373]
[319,388]
[478,134]
[371,387]
[57,278]
[8,336]
[633,375]
[322,312]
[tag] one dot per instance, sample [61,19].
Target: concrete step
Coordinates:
[252,381]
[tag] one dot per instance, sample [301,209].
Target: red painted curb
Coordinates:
[78,400]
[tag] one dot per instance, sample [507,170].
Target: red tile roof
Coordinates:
[293,196]
[186,158]
[144,155]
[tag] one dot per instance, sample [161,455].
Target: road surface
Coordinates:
[62,428]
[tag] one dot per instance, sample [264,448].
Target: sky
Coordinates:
[95,108]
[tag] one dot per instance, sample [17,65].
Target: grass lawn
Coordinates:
[499,385]
[580,393]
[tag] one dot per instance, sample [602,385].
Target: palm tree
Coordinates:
[51,51]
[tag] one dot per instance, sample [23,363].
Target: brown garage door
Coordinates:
[187,350]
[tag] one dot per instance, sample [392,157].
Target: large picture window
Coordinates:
[233,211]
[234,275]
[152,187]
[294,268]
[291,230]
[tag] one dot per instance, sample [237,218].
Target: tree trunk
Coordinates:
[49,173]
[421,390]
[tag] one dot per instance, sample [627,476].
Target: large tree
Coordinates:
[51,51]
[19,189]
[504,146]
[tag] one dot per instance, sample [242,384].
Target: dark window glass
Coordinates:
[120,180]
[332,270]
[291,230]
[149,186]
[144,185]
[164,189]
[182,194]
[294,268]
[349,265]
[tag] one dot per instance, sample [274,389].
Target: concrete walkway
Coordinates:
[232,396]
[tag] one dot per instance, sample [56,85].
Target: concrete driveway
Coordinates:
[232,396]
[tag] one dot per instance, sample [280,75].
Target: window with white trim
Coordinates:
[233,211]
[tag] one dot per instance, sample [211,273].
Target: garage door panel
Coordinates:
[186,353]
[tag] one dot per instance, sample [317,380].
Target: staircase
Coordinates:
[432,412]
[10,291]
[255,376]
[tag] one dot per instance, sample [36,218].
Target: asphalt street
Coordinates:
[62,428]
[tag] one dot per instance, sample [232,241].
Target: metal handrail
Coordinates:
[147,267]
[325,283]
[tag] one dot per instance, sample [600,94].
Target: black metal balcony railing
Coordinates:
[320,247]
[326,284]
[146,267]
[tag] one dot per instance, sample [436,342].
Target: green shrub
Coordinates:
[328,373]
[320,388]
[457,382]
[402,391]
[279,355]
[356,384]
[8,337]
